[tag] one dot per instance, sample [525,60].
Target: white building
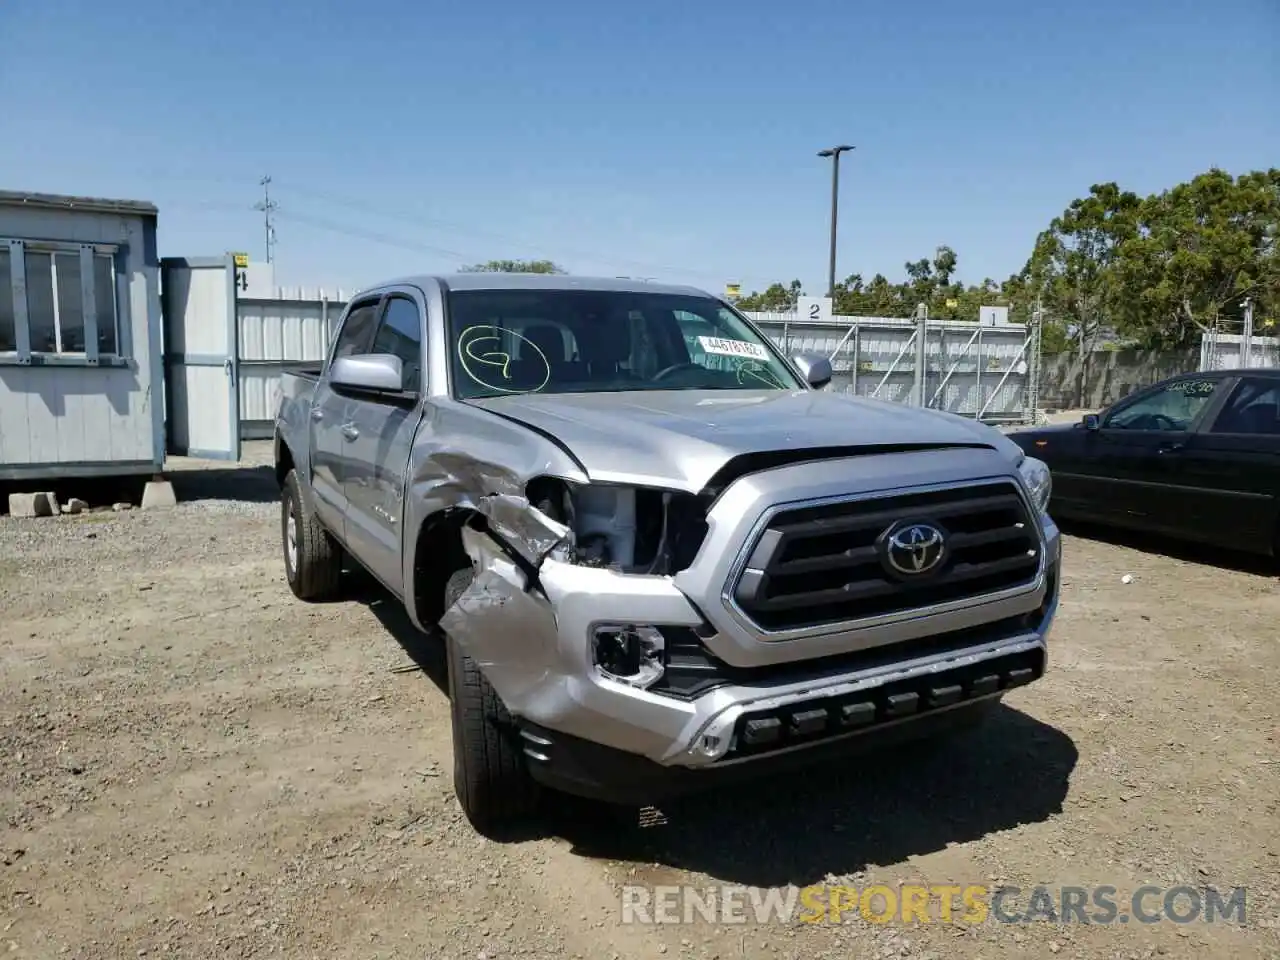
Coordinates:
[81,367]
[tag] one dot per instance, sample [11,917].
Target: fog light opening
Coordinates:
[629,654]
[716,739]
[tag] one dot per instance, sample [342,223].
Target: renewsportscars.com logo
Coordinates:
[938,903]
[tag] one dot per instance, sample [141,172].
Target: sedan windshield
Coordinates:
[585,341]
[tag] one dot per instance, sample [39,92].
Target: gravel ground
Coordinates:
[194,764]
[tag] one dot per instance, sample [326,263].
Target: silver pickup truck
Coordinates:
[660,554]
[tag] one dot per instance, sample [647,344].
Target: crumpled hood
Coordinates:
[681,438]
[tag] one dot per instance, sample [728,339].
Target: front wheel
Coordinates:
[489,772]
[312,558]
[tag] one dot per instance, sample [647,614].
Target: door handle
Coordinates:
[350,431]
[1173,446]
[317,414]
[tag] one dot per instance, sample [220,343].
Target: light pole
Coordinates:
[834,154]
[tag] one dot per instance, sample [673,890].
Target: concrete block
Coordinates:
[158,494]
[51,504]
[24,504]
[75,505]
[32,505]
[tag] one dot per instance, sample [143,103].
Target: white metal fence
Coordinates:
[277,335]
[987,372]
[1234,351]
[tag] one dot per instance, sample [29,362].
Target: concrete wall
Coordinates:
[68,414]
[1112,374]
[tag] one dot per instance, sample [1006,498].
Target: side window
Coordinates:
[356,334]
[400,334]
[1173,407]
[1253,408]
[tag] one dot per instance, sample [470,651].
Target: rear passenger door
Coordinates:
[329,411]
[381,431]
[1233,465]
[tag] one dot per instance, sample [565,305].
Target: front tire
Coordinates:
[312,558]
[490,776]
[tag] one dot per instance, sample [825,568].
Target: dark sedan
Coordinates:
[1195,457]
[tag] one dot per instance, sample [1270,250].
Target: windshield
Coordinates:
[586,341]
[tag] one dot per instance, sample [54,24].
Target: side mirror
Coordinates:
[372,372]
[1091,421]
[814,368]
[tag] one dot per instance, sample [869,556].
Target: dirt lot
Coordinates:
[194,764]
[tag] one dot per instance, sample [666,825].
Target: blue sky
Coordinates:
[668,140]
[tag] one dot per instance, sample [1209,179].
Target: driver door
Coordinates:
[1134,455]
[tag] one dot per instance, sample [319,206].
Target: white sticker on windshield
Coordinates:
[734,348]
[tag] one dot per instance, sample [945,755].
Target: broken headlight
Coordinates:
[640,530]
[604,524]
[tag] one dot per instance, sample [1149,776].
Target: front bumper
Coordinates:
[589,769]
[797,700]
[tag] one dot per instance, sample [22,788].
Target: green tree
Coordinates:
[928,281]
[515,266]
[1158,270]
[1202,250]
[1073,267]
[944,264]
[921,281]
[775,299]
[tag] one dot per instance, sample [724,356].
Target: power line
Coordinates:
[417,220]
[372,235]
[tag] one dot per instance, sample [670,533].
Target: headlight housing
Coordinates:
[1039,482]
[632,529]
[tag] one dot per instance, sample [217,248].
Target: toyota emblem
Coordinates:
[914,548]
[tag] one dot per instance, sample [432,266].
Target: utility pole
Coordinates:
[1031,406]
[267,206]
[1246,341]
[834,154]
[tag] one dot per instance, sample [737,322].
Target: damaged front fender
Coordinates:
[523,527]
[468,461]
[529,634]
[506,628]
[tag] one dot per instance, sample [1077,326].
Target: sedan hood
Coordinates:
[682,438]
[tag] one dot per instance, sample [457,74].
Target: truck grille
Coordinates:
[829,564]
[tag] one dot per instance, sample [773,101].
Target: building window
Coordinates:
[104,302]
[8,326]
[56,301]
[41,311]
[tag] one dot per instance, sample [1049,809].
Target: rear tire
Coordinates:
[312,558]
[490,776]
